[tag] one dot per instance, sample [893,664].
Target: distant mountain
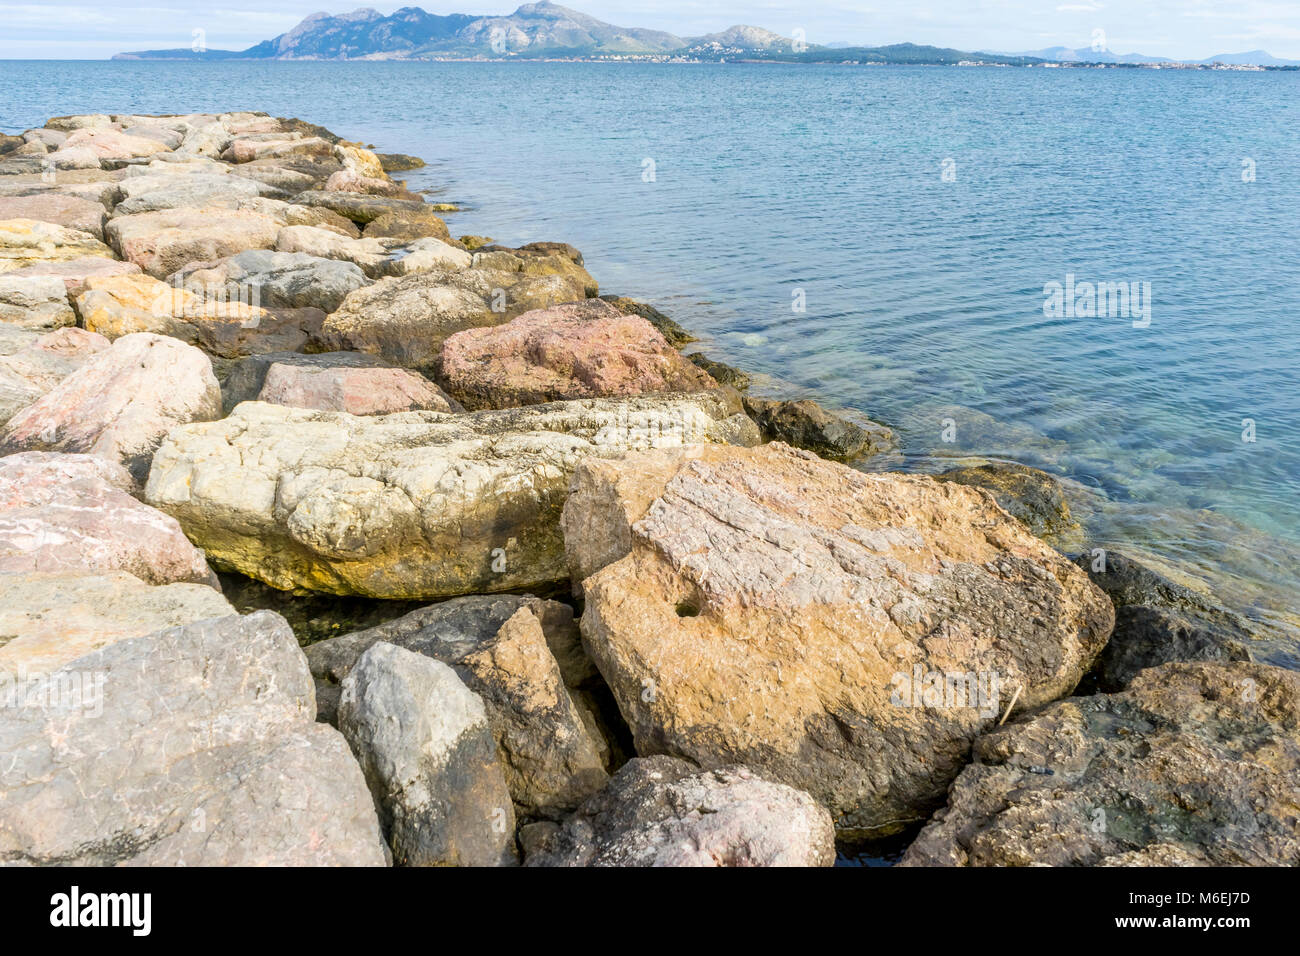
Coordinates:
[1061,54]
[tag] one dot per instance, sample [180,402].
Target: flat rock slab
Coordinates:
[34,302]
[120,404]
[163,242]
[279,279]
[65,513]
[579,350]
[1195,764]
[194,746]
[84,215]
[27,242]
[47,620]
[414,505]
[849,634]
[662,811]
[74,272]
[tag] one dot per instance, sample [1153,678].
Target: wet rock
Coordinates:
[399,162]
[509,650]
[807,425]
[1032,496]
[674,334]
[1195,764]
[845,633]
[1157,621]
[580,350]
[63,513]
[661,811]
[722,373]
[120,404]
[415,505]
[34,302]
[193,745]
[423,743]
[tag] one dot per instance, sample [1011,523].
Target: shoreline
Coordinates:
[461,428]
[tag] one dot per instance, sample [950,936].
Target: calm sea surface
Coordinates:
[923,291]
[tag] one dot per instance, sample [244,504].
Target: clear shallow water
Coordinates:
[923,297]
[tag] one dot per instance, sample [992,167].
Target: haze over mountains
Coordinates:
[548,29]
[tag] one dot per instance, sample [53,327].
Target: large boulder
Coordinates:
[416,505]
[190,746]
[114,144]
[120,404]
[163,242]
[369,256]
[34,302]
[422,739]
[50,619]
[74,273]
[662,811]
[583,349]
[279,279]
[75,212]
[849,634]
[360,207]
[523,656]
[1158,621]
[1195,764]
[673,334]
[357,391]
[63,513]
[31,369]
[28,242]
[177,190]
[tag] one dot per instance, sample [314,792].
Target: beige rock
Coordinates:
[34,302]
[163,242]
[766,607]
[113,144]
[27,242]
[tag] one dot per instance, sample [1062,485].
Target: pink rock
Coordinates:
[348,181]
[165,241]
[577,350]
[357,391]
[61,513]
[55,355]
[114,144]
[120,404]
[75,272]
[58,208]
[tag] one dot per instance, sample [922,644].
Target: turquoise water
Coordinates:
[924,294]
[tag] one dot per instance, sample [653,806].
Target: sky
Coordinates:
[1182,29]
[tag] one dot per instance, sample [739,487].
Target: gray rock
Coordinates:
[36,302]
[291,280]
[1157,621]
[662,811]
[423,743]
[506,649]
[173,191]
[194,745]
[805,424]
[247,376]
[722,373]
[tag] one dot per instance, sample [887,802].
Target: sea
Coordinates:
[1092,272]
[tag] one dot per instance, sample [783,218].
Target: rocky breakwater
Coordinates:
[232,342]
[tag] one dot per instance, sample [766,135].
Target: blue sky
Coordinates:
[1191,29]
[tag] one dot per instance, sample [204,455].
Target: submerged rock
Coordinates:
[581,350]
[805,424]
[1032,496]
[120,404]
[661,811]
[523,656]
[721,372]
[845,633]
[421,737]
[190,746]
[414,505]
[1195,764]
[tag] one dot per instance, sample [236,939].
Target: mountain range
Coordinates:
[538,30]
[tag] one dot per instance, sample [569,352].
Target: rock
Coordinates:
[193,745]
[64,513]
[120,404]
[581,350]
[769,608]
[661,811]
[1032,496]
[313,381]
[721,372]
[163,242]
[407,225]
[396,162]
[362,208]
[245,149]
[415,505]
[805,424]
[34,302]
[369,256]
[360,161]
[320,218]
[80,157]
[31,369]
[674,334]
[9,143]
[427,255]
[289,179]
[83,215]
[48,620]
[1195,764]
[406,320]
[113,144]
[27,242]
[210,139]
[171,191]
[279,279]
[247,376]
[52,138]
[1158,621]
[348,181]
[508,650]
[73,273]
[424,747]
